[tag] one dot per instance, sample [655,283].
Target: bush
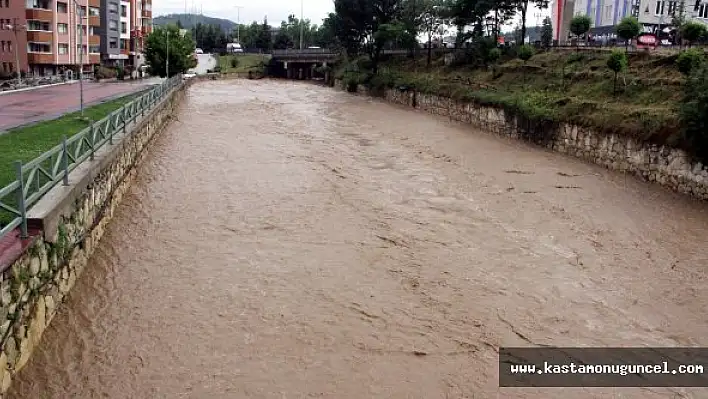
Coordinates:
[494,55]
[525,52]
[693,31]
[234,62]
[689,60]
[103,72]
[693,113]
[120,73]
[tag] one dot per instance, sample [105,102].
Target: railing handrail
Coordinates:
[36,177]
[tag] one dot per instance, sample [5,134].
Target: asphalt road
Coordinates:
[31,106]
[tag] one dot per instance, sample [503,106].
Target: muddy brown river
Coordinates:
[285,240]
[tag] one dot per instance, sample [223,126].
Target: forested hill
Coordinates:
[189,20]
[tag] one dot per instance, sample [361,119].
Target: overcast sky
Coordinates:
[275,10]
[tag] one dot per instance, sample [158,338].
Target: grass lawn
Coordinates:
[243,62]
[26,143]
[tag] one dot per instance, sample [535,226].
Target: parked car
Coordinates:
[199,51]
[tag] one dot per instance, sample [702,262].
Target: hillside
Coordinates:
[189,20]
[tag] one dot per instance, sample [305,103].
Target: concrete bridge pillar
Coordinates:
[301,74]
[289,73]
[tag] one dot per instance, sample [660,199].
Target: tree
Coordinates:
[264,39]
[693,113]
[525,52]
[432,19]
[282,41]
[547,32]
[689,61]
[181,50]
[617,63]
[522,6]
[692,31]
[628,29]
[580,25]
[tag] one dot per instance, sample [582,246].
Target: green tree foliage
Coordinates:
[694,113]
[692,32]
[628,29]
[525,52]
[181,51]
[580,25]
[689,61]
[547,32]
[210,38]
[617,62]
[264,38]
[282,41]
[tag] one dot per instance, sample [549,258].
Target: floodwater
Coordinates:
[285,240]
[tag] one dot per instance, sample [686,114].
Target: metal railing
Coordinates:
[35,178]
[306,51]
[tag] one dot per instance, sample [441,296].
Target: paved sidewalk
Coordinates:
[21,108]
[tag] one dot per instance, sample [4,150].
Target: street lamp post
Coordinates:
[14,28]
[302,26]
[238,24]
[81,56]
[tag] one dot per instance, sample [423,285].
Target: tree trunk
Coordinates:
[524,7]
[430,47]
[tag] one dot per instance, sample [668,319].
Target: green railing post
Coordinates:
[125,118]
[92,141]
[65,160]
[21,205]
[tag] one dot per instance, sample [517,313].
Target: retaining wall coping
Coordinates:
[47,213]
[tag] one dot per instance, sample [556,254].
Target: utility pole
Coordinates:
[238,23]
[302,26]
[78,16]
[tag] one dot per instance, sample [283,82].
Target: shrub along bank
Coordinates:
[643,97]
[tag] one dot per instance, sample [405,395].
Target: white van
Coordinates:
[234,48]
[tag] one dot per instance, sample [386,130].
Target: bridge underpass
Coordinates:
[301,64]
[289,240]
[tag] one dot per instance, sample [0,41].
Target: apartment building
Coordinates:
[657,15]
[12,36]
[139,26]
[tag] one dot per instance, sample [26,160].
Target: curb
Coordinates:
[37,87]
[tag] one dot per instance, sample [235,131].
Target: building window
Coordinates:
[7,3]
[63,48]
[123,11]
[62,28]
[94,49]
[94,12]
[123,27]
[659,10]
[147,6]
[38,25]
[112,25]
[672,7]
[79,47]
[113,43]
[123,44]
[608,13]
[9,45]
[3,46]
[113,7]
[43,4]
[39,47]
[703,11]
[62,8]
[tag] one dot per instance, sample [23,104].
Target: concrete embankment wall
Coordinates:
[71,220]
[670,167]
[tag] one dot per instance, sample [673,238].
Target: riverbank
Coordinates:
[552,87]
[669,167]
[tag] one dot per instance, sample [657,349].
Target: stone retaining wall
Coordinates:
[667,166]
[37,282]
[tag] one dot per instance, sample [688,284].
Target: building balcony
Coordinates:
[147,14]
[125,51]
[94,20]
[40,58]
[40,36]
[94,40]
[94,3]
[94,58]
[39,14]
[146,30]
